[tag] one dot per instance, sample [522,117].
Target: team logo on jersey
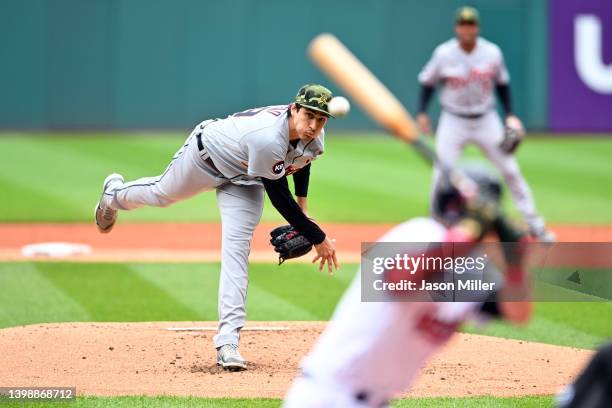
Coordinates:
[278,167]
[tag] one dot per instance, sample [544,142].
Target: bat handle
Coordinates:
[466,186]
[423,147]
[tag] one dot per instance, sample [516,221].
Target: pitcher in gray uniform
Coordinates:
[239,157]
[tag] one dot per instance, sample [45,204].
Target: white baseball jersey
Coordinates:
[377,347]
[468,79]
[255,143]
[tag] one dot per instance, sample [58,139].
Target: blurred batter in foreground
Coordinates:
[372,351]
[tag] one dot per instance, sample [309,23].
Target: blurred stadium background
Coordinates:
[137,64]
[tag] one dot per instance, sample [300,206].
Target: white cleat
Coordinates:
[104,215]
[230,359]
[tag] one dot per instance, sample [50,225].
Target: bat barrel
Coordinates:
[360,84]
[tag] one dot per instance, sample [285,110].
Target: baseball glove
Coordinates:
[513,134]
[289,243]
[511,141]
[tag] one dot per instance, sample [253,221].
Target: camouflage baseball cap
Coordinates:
[315,97]
[467,15]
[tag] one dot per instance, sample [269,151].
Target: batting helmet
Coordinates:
[449,205]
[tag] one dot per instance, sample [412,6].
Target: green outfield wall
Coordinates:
[130,64]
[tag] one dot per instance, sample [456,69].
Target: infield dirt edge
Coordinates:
[117,359]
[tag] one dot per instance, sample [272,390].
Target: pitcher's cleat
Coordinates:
[230,359]
[104,215]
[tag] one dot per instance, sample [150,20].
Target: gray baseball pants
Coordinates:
[240,206]
[487,132]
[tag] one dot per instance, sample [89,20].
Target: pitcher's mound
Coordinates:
[108,359]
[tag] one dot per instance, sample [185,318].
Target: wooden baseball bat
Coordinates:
[362,86]
[376,100]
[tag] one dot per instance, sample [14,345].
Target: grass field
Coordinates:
[74,292]
[359,179]
[161,402]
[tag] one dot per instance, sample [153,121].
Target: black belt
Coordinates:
[468,115]
[207,160]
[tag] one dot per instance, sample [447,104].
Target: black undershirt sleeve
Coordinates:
[300,181]
[427,92]
[282,200]
[503,91]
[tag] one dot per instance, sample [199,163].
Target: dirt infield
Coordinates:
[108,359]
[146,359]
[201,242]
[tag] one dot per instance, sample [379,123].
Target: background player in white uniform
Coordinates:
[470,69]
[239,157]
[372,351]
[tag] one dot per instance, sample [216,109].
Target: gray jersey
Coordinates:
[255,143]
[468,79]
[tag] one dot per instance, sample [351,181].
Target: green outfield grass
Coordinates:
[159,402]
[358,179]
[74,292]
